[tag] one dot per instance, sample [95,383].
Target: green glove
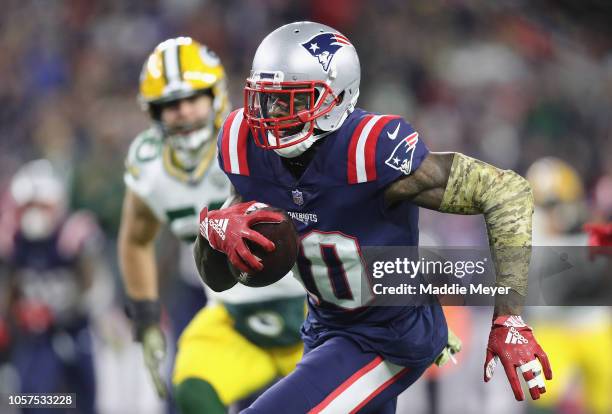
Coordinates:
[154,352]
[452,347]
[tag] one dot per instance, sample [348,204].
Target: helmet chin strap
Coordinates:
[301,147]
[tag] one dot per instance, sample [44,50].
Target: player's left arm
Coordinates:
[458,184]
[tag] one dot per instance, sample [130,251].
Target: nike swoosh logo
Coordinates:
[393,135]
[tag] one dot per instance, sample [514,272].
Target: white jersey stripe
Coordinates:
[361,390]
[233,143]
[362,176]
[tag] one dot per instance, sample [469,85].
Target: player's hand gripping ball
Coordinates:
[276,263]
[260,241]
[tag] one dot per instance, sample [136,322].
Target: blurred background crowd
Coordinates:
[509,82]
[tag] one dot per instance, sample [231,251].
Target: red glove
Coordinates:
[32,316]
[512,342]
[600,234]
[227,228]
[600,238]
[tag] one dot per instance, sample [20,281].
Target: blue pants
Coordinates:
[57,362]
[185,301]
[338,377]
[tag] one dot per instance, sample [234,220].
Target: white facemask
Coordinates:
[37,223]
[300,148]
[188,147]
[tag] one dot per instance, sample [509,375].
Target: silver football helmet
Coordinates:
[305,76]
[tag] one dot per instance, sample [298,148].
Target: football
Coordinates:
[277,263]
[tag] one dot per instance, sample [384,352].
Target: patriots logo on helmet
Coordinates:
[401,157]
[324,46]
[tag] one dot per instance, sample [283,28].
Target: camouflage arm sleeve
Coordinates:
[505,199]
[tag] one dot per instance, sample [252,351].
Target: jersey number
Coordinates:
[333,269]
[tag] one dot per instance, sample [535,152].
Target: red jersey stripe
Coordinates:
[243,134]
[352,150]
[225,141]
[370,147]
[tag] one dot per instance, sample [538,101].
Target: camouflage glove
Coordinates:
[145,315]
[154,352]
[452,347]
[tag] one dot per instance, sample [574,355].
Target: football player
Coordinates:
[171,173]
[569,332]
[351,179]
[55,266]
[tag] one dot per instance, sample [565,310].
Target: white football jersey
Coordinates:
[176,198]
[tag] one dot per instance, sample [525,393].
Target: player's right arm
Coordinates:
[212,265]
[137,233]
[222,239]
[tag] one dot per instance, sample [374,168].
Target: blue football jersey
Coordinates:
[338,208]
[49,272]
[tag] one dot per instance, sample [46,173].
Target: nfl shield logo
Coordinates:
[298,198]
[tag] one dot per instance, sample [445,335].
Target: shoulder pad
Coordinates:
[232,144]
[145,148]
[139,173]
[383,148]
[78,232]
[362,147]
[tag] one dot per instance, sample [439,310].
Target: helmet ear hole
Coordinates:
[340,98]
[155,111]
[206,92]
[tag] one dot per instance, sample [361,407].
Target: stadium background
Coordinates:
[507,82]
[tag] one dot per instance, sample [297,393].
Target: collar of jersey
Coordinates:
[193,176]
[321,170]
